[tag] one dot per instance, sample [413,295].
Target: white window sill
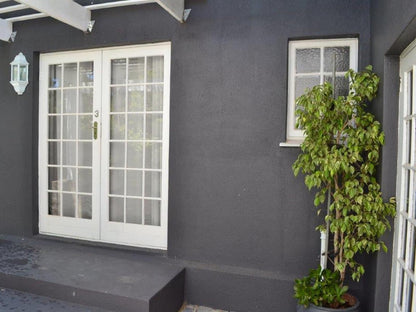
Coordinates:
[290,144]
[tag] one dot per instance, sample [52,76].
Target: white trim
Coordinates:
[293,134]
[401,267]
[66,11]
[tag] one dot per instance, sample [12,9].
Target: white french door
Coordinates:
[403,291]
[103,144]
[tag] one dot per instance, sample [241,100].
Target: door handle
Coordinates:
[95,127]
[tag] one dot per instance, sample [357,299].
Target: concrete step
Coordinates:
[105,278]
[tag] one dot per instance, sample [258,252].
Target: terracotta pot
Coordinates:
[314,308]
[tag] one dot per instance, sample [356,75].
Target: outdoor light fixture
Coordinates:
[19,73]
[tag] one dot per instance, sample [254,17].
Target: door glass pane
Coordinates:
[135,99]
[117,127]
[54,204]
[70,74]
[136,70]
[155,69]
[154,101]
[135,127]
[70,101]
[54,153]
[86,74]
[134,155]
[152,212]
[86,100]
[69,153]
[69,177]
[117,154]
[54,101]
[117,182]
[54,131]
[118,71]
[134,210]
[85,180]
[152,182]
[153,156]
[154,126]
[85,154]
[118,99]
[85,206]
[68,205]
[53,178]
[134,183]
[69,127]
[85,127]
[116,205]
[55,76]
[308,60]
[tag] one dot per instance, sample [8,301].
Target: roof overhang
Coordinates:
[72,13]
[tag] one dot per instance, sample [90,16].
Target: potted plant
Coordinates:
[339,157]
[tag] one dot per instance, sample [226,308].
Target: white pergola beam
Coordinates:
[66,11]
[6,30]
[174,7]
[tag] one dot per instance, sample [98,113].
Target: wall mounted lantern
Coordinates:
[19,73]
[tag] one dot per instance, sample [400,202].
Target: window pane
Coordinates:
[304,83]
[153,155]
[342,59]
[118,71]
[54,153]
[70,75]
[134,210]
[136,70]
[53,178]
[116,209]
[341,85]
[85,127]
[69,176]
[69,127]
[308,60]
[84,153]
[154,127]
[69,153]
[54,127]
[152,212]
[85,180]
[86,74]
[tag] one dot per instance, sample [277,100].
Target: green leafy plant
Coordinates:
[322,288]
[340,155]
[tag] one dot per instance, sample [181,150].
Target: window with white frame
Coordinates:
[313,62]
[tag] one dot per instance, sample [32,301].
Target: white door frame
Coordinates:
[99,228]
[402,277]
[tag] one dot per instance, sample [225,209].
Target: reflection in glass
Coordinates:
[117,182]
[70,75]
[134,155]
[152,212]
[152,184]
[85,206]
[154,127]
[134,210]
[54,100]
[134,183]
[116,154]
[136,70]
[86,74]
[54,204]
[116,209]
[118,71]
[54,127]
[155,69]
[308,60]
[70,101]
[154,98]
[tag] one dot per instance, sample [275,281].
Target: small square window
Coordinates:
[312,62]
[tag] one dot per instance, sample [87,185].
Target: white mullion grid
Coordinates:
[125,138]
[76,143]
[135,197]
[138,84]
[70,114]
[61,125]
[69,192]
[144,136]
[71,166]
[70,88]
[139,141]
[136,169]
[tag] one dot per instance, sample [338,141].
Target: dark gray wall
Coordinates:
[393,27]
[238,219]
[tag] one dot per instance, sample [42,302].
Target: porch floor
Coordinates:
[105,278]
